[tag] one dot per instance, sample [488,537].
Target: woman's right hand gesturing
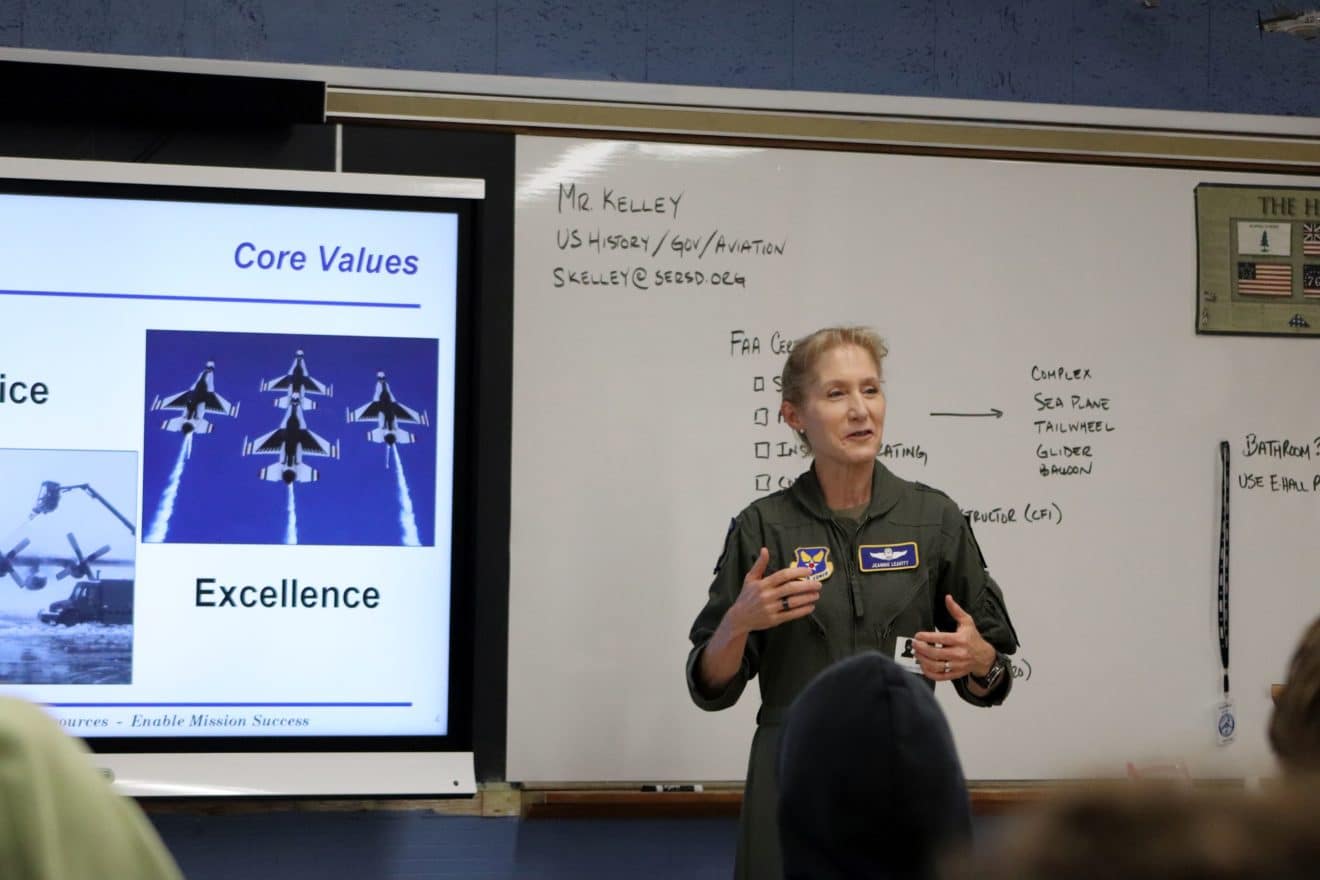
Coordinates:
[766,601]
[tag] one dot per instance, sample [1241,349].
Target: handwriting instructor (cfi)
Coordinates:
[850,558]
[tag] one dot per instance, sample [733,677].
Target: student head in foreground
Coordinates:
[1295,724]
[59,817]
[870,785]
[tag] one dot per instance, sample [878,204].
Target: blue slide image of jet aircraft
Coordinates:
[387,413]
[195,404]
[348,504]
[291,442]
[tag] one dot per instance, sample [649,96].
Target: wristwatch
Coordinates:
[993,675]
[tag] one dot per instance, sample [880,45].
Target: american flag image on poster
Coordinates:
[1265,279]
[1311,239]
[1311,279]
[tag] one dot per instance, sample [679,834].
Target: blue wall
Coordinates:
[1203,55]
[414,845]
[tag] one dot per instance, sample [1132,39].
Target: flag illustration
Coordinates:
[1268,239]
[1265,279]
[1311,279]
[1311,238]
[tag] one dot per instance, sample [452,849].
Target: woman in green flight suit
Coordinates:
[850,558]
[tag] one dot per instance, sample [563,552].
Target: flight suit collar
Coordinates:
[886,490]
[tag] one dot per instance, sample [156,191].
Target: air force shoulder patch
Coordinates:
[888,557]
[815,558]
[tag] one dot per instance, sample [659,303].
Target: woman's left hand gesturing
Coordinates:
[945,656]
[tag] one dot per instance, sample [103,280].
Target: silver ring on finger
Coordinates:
[783,602]
[946,667]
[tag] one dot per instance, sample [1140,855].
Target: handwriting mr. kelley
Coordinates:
[572,199]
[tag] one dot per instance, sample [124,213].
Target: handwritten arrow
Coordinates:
[996,413]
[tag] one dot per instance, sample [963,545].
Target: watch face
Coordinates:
[992,675]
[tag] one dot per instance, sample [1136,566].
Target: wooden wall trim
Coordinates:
[1014,140]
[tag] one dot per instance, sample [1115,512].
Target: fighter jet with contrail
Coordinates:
[298,382]
[387,413]
[291,442]
[195,404]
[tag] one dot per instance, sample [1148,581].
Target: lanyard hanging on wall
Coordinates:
[1225,720]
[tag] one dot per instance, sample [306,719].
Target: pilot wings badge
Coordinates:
[815,558]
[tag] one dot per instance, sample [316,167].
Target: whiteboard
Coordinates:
[645,416]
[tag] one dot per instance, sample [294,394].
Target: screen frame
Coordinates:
[440,765]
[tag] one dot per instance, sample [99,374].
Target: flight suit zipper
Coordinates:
[855,597]
[853,550]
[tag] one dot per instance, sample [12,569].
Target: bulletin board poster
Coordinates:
[1258,260]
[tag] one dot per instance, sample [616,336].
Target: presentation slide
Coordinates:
[226,444]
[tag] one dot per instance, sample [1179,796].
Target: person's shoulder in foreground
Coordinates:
[1295,722]
[870,781]
[1157,831]
[59,818]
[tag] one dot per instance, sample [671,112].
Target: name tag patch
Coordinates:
[887,557]
[815,558]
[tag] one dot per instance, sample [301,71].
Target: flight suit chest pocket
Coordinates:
[897,596]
